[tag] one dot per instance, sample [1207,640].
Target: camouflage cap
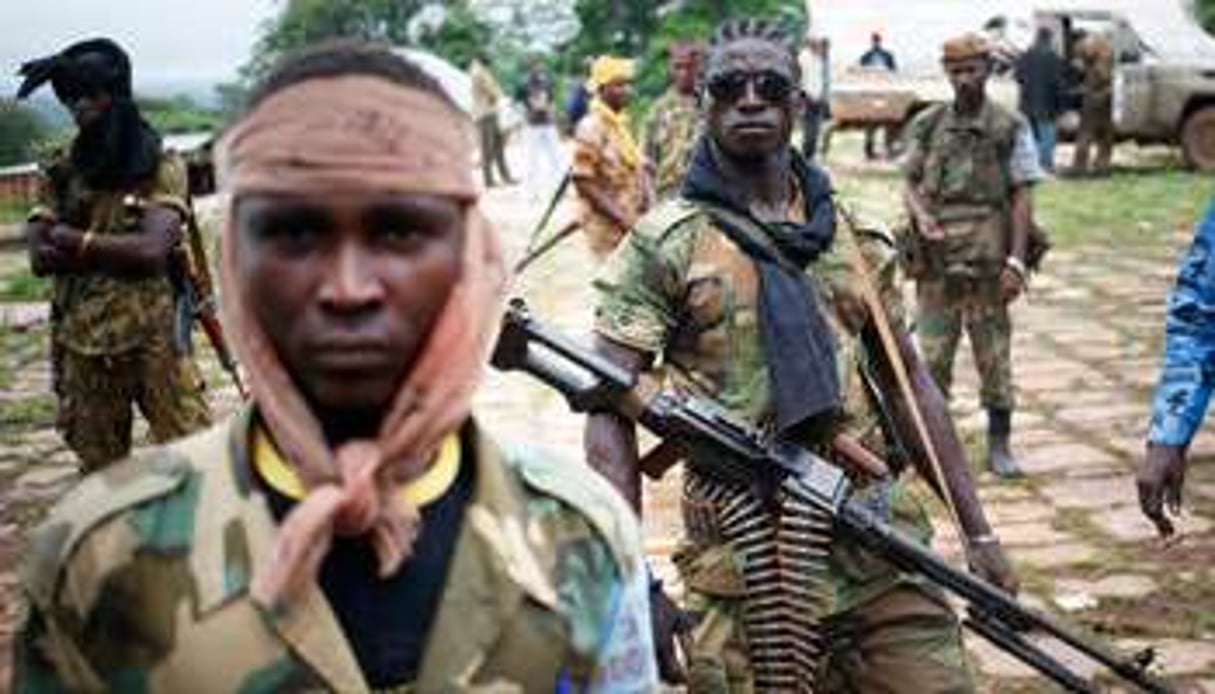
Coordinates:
[965,47]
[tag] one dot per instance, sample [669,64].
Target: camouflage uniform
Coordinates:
[111,336]
[681,289]
[140,581]
[598,156]
[670,138]
[1096,56]
[966,170]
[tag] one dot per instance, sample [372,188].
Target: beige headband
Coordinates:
[345,132]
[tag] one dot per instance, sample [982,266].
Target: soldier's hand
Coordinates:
[670,626]
[1160,478]
[850,309]
[988,561]
[930,228]
[1011,285]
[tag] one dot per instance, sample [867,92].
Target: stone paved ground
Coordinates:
[1087,343]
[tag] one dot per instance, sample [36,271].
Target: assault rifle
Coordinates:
[739,455]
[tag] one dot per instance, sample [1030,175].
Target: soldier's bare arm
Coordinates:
[603,203]
[46,258]
[1012,279]
[145,253]
[986,556]
[610,441]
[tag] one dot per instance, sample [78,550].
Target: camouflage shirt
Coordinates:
[680,290]
[139,581]
[98,314]
[670,138]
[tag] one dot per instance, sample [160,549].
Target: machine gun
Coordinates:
[739,455]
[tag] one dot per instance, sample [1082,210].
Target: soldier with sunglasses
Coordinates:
[725,293]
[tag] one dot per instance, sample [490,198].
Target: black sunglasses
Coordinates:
[770,86]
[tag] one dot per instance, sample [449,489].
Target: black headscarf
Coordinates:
[798,343]
[120,150]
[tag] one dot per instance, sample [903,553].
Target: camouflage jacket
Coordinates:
[97,314]
[679,289]
[967,169]
[139,581]
[670,138]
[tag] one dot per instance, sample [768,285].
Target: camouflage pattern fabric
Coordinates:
[110,335]
[598,157]
[1096,56]
[670,137]
[104,314]
[139,581]
[943,308]
[680,289]
[96,394]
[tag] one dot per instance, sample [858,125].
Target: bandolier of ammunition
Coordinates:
[784,546]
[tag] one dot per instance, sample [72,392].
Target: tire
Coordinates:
[1198,139]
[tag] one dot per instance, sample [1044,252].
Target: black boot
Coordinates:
[999,456]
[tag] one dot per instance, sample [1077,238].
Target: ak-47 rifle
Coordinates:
[740,456]
[191,277]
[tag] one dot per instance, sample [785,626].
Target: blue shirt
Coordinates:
[1188,371]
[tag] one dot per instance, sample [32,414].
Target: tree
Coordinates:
[303,22]
[22,132]
[1205,10]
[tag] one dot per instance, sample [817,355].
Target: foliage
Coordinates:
[1205,9]
[178,114]
[398,22]
[22,131]
[644,31]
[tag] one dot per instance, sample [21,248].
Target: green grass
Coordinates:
[1128,207]
[13,211]
[22,285]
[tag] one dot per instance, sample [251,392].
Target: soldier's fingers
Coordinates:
[1172,491]
[1150,503]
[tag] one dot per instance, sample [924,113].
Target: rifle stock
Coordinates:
[737,454]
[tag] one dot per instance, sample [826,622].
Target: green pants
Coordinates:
[943,308]
[96,394]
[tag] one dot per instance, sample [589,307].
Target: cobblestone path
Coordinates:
[1086,349]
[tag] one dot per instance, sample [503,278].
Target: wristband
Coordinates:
[1015,264]
[984,539]
[85,241]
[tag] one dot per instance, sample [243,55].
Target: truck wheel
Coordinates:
[1198,139]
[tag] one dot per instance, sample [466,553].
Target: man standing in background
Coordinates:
[1040,75]
[673,125]
[877,57]
[1095,55]
[109,231]
[815,62]
[540,139]
[970,169]
[609,168]
[487,95]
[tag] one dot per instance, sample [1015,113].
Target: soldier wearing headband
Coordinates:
[352,528]
[108,226]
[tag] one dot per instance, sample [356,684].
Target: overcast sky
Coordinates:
[169,40]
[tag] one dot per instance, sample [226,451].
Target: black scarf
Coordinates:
[121,150]
[798,343]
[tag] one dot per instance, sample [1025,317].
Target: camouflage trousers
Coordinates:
[887,633]
[96,394]
[943,308]
[1096,129]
